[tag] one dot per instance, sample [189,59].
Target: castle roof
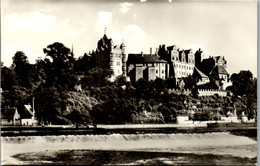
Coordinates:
[188,51]
[219,69]
[171,47]
[200,73]
[143,58]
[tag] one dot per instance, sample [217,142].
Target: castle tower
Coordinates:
[122,47]
[72,53]
[190,56]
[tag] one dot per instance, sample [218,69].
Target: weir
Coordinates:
[202,143]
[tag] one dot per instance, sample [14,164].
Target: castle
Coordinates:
[108,55]
[166,62]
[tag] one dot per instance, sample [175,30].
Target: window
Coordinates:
[156,71]
[162,71]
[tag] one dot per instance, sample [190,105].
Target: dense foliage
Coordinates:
[73,91]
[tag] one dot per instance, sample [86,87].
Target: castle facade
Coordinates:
[166,62]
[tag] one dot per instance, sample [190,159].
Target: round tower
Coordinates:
[122,47]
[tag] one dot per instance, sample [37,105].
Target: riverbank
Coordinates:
[247,128]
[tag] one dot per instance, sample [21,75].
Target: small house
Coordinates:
[10,116]
[27,115]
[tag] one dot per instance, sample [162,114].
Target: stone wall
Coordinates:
[209,92]
[202,92]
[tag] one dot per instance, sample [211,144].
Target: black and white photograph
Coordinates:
[129,82]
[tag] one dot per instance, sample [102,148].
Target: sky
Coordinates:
[219,28]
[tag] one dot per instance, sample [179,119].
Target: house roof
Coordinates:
[146,58]
[8,114]
[200,73]
[26,112]
[219,70]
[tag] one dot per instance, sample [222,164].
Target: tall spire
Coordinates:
[72,54]
[123,44]
[105,31]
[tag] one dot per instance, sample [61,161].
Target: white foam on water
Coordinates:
[213,143]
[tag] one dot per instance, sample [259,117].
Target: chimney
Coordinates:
[142,55]
[156,52]
[151,51]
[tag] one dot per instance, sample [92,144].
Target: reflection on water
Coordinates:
[197,144]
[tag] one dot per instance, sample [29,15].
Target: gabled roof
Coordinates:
[27,112]
[200,73]
[146,58]
[219,70]
[8,114]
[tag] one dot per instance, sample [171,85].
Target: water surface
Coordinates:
[220,148]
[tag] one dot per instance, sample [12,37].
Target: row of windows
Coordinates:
[157,71]
[156,64]
[117,55]
[184,67]
[190,61]
[184,73]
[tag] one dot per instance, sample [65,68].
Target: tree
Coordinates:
[119,112]
[190,82]
[240,82]
[23,69]
[143,88]
[60,72]
[159,85]
[8,78]
[244,84]
[251,93]
[51,104]
[120,81]
[171,83]
[168,114]
[58,52]
[15,97]
[20,61]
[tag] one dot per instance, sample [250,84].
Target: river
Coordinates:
[219,148]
